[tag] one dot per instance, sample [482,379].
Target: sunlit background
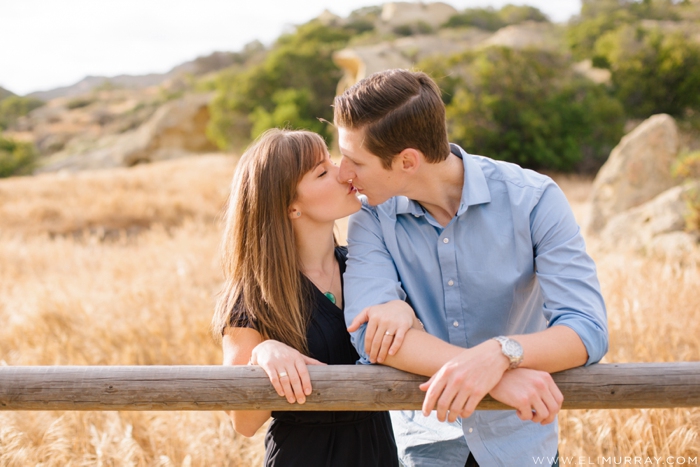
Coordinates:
[121,123]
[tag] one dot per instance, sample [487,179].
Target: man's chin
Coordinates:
[373,201]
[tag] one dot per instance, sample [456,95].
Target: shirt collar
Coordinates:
[474,191]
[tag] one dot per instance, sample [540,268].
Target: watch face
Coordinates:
[512,348]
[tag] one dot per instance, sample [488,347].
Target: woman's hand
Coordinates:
[286,368]
[387,325]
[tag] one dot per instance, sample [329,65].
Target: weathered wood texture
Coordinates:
[351,387]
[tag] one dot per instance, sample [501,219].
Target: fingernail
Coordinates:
[307,392]
[301,401]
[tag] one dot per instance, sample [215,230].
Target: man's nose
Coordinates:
[344,172]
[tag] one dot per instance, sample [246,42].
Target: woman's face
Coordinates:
[321,197]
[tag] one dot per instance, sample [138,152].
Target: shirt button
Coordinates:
[471,429]
[450,283]
[445,240]
[416,215]
[456,324]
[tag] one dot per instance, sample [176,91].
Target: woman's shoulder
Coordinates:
[240,316]
[341,251]
[341,254]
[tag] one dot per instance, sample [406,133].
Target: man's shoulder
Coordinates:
[507,172]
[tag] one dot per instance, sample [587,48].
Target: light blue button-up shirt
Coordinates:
[512,261]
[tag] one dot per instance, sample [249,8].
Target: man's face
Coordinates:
[366,171]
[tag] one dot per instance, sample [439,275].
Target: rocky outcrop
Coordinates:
[638,169]
[360,62]
[178,128]
[529,34]
[396,14]
[654,227]
[597,75]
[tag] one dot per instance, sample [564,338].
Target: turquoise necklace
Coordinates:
[329,295]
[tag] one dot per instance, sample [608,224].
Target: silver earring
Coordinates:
[298,213]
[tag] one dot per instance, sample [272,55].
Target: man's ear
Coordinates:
[409,160]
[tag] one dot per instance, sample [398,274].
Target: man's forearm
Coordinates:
[555,349]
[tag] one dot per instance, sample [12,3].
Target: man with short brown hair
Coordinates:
[490,259]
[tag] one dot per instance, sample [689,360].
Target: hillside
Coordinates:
[5,93]
[578,87]
[197,67]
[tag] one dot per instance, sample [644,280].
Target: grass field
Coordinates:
[120,268]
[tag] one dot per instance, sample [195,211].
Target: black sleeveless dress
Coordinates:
[327,439]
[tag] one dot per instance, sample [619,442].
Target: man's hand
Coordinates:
[462,382]
[532,393]
[387,325]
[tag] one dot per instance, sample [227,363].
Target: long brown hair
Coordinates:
[259,255]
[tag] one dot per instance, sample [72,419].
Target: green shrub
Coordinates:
[294,86]
[525,107]
[80,102]
[419,27]
[652,72]
[492,20]
[14,107]
[482,18]
[692,219]
[687,166]
[514,14]
[599,17]
[16,158]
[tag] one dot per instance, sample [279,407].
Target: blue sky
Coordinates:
[51,43]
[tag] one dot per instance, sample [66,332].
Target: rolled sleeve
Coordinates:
[370,277]
[566,273]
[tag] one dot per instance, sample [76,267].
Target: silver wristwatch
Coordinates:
[511,349]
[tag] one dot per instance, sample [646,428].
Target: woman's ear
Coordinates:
[294,213]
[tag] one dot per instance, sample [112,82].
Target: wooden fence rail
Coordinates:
[346,387]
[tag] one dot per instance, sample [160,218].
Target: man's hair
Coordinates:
[397,109]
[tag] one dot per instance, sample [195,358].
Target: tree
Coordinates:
[527,107]
[652,72]
[294,86]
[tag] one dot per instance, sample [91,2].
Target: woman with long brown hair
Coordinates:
[281,305]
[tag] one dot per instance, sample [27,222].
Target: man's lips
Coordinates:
[352,189]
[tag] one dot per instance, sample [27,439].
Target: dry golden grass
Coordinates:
[121,267]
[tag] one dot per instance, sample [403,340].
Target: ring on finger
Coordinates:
[282,374]
[534,412]
[388,333]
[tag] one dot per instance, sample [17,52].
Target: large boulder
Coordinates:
[176,129]
[656,226]
[638,169]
